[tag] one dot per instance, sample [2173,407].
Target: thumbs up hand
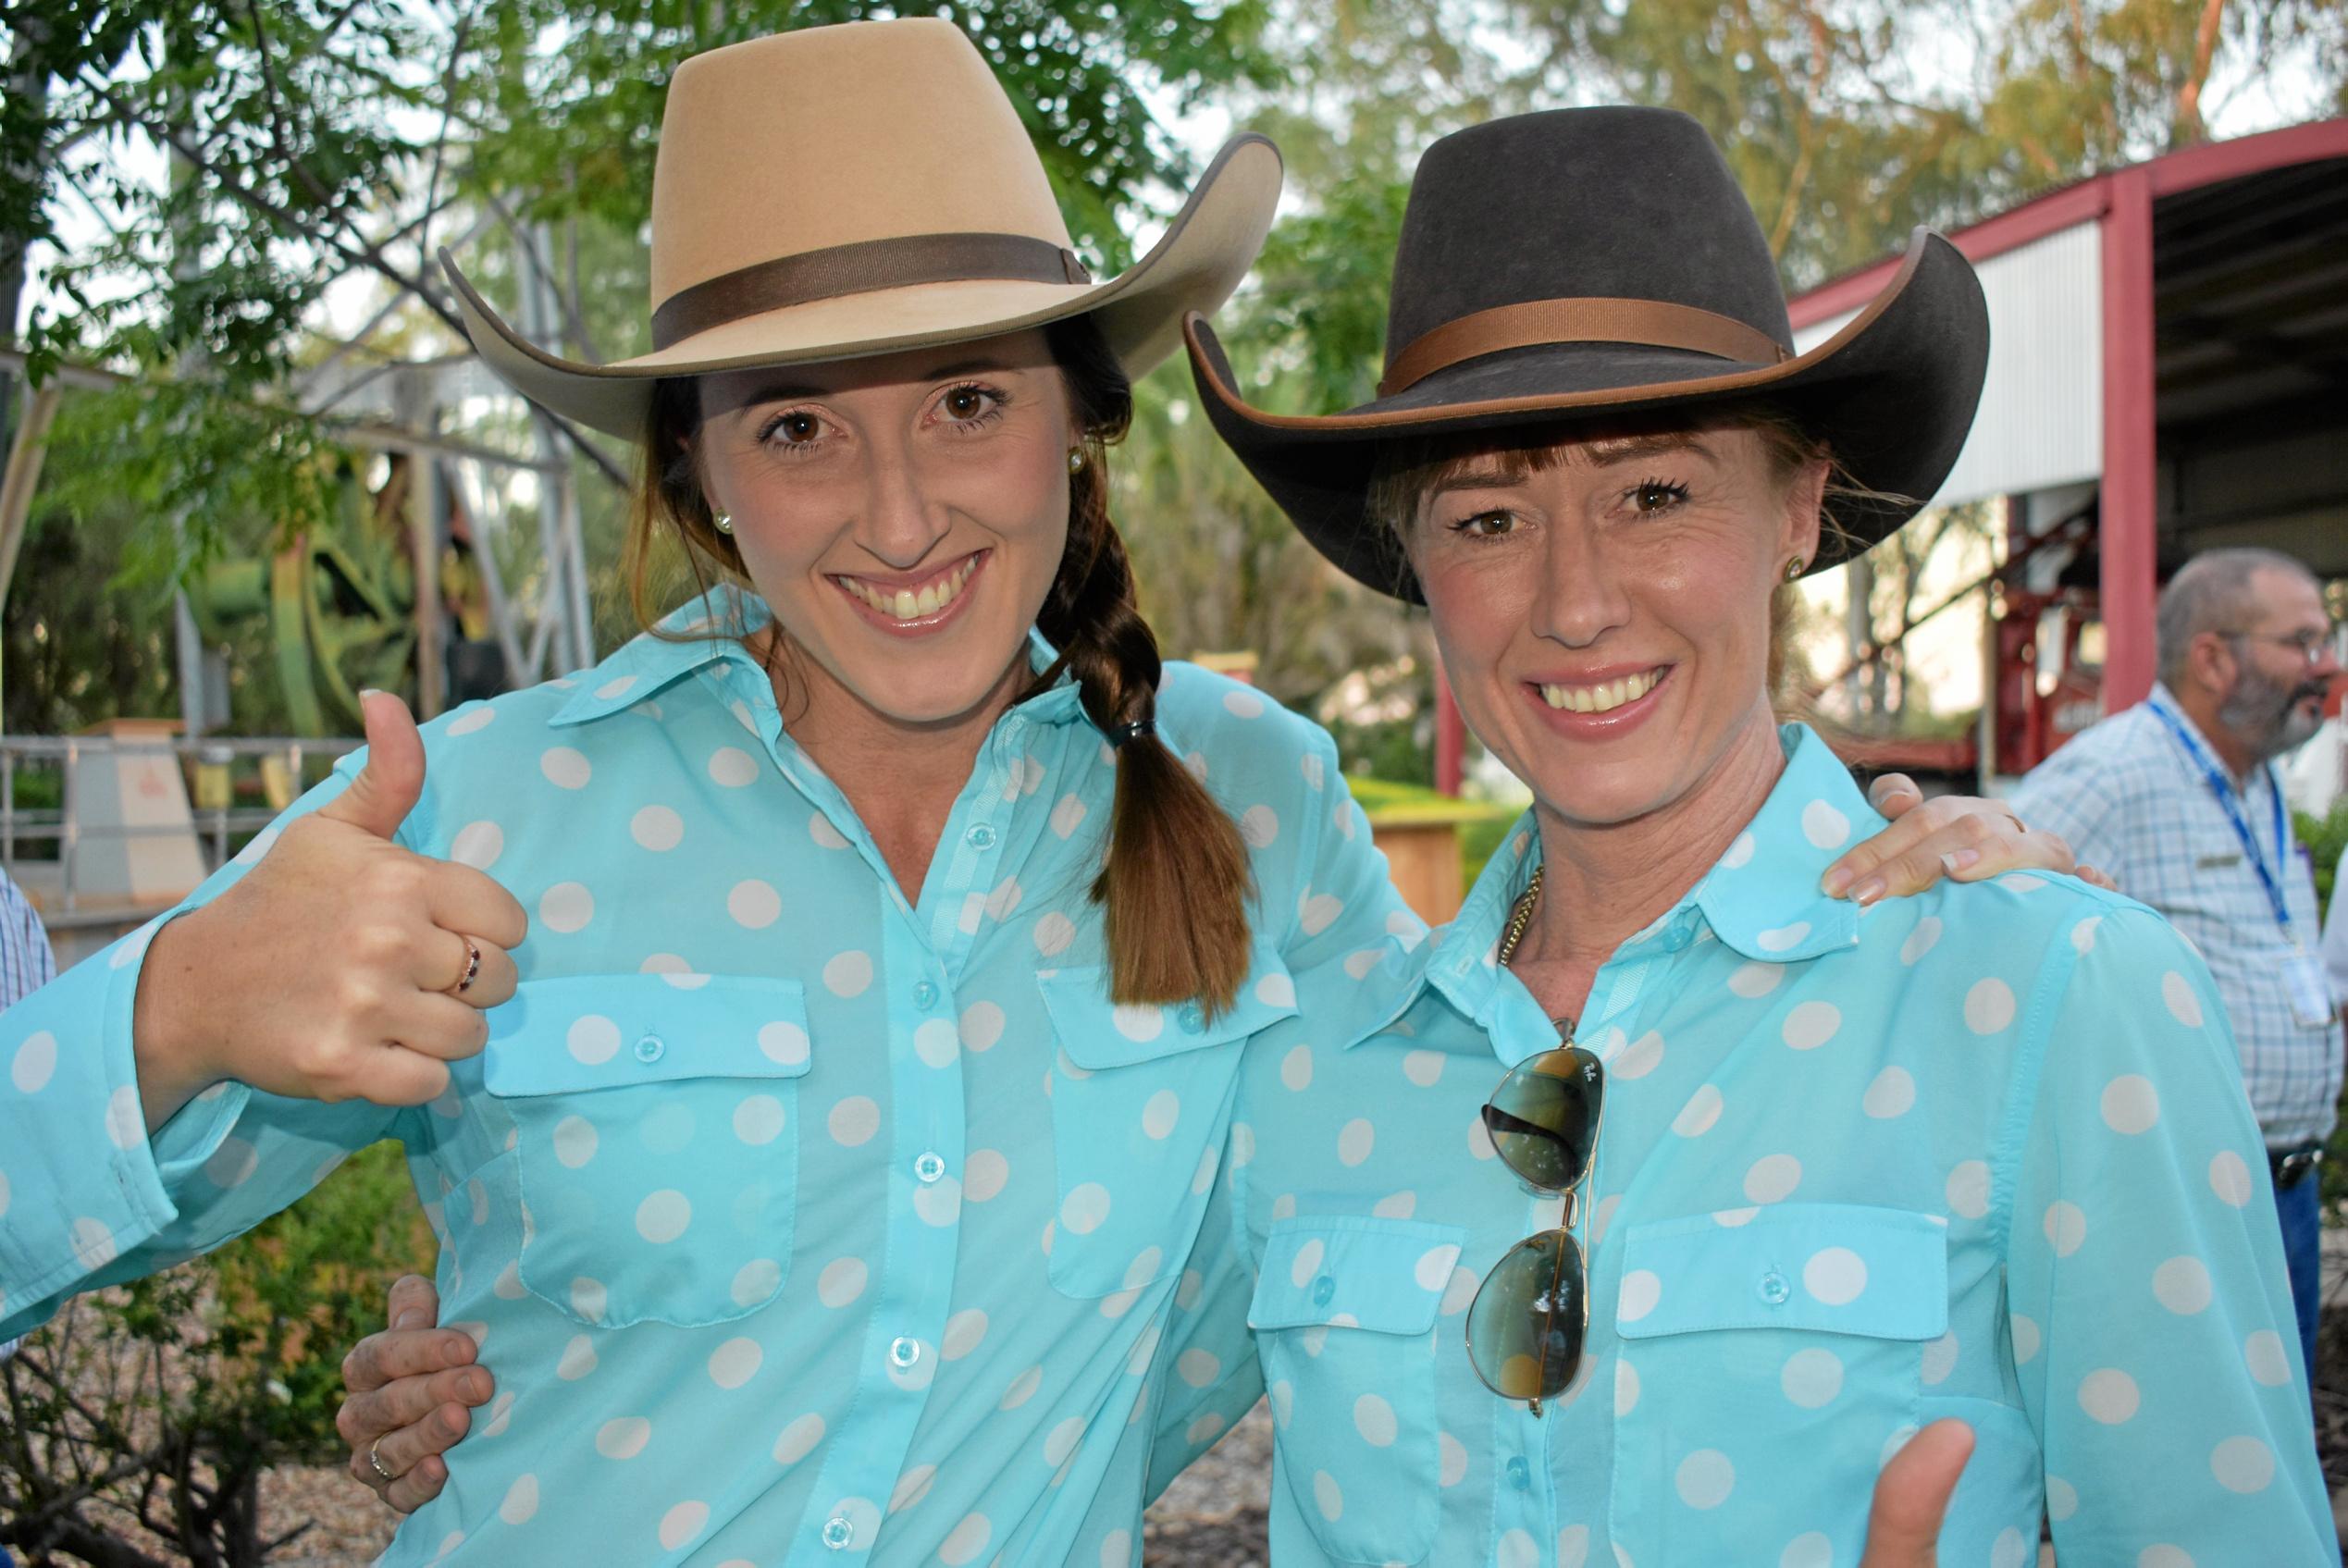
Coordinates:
[340,966]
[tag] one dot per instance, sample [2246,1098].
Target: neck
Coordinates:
[1602,882]
[901,777]
[2204,709]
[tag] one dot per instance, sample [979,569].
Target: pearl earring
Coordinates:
[1076,459]
[1793,568]
[723,522]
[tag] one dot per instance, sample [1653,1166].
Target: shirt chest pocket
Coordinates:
[1768,1354]
[656,1140]
[1344,1322]
[1140,1100]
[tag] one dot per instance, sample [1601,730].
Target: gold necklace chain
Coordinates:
[1520,917]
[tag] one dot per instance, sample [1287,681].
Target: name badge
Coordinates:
[2217,862]
[2311,1005]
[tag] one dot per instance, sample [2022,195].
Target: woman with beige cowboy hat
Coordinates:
[812,1029]
[1672,1197]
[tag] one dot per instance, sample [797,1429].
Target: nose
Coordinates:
[902,521]
[1580,600]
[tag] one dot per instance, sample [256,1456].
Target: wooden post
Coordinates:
[22,476]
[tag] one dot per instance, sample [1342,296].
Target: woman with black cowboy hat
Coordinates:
[861,965]
[1671,1196]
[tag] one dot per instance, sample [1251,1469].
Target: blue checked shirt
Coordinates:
[26,965]
[2132,801]
[1979,1154]
[800,1224]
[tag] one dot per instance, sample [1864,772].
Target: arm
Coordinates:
[117,1159]
[1209,1315]
[2167,1393]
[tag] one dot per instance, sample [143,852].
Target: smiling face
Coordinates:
[903,516]
[1602,605]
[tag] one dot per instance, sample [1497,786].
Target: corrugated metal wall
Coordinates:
[2041,420]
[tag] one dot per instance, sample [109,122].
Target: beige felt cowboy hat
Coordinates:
[854,190]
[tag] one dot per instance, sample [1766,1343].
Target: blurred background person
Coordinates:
[2178,799]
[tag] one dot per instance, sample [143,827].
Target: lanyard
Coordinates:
[2222,786]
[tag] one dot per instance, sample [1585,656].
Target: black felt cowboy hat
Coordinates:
[1601,265]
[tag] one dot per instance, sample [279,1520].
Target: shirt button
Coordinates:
[1193,1016]
[980,838]
[837,1533]
[925,996]
[928,1167]
[1323,1289]
[1773,1289]
[652,1048]
[1520,1474]
[904,1351]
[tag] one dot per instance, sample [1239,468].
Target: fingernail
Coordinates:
[1836,881]
[412,1318]
[1868,891]
[1892,796]
[476,1385]
[1957,860]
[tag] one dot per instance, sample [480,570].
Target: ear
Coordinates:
[1805,507]
[2210,662]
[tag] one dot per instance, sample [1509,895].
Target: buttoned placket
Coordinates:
[1525,1481]
[923,948]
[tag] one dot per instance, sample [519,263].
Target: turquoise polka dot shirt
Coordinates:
[1980,1154]
[800,1224]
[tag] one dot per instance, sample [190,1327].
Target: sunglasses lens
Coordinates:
[1526,1327]
[1543,1118]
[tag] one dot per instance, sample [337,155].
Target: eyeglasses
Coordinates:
[2310,645]
[1530,1316]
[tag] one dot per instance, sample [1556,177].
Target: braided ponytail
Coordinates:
[1174,878]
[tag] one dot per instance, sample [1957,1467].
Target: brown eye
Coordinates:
[963,403]
[797,428]
[1655,496]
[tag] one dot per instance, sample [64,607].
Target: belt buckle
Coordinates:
[2294,1167]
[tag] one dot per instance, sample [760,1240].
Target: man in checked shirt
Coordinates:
[2178,799]
[26,965]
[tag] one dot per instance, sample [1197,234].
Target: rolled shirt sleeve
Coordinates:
[2151,1318]
[87,1196]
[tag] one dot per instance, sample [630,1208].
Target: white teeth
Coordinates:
[1605,696]
[908,604]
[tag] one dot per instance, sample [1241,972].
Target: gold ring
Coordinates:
[375,1461]
[472,969]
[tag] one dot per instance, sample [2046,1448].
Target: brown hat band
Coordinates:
[864,267]
[1653,323]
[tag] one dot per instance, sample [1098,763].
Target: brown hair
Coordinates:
[1174,878]
[1406,470]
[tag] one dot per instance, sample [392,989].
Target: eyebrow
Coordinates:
[788,391]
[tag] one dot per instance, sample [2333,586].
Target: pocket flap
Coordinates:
[1354,1271]
[1098,1033]
[1835,1268]
[623,1031]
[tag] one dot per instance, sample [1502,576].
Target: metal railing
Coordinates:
[219,763]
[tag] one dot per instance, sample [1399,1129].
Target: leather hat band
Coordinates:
[863,268]
[1653,323]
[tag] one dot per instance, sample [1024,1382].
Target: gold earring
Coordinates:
[1076,459]
[1793,568]
[723,522]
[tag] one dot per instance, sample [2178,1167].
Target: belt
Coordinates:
[2291,1166]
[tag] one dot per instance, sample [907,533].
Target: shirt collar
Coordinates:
[1760,899]
[709,630]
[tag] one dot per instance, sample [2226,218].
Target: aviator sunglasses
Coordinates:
[1527,1323]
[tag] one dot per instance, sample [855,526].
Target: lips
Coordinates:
[908,603]
[1601,697]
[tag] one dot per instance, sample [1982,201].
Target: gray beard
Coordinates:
[2263,716]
